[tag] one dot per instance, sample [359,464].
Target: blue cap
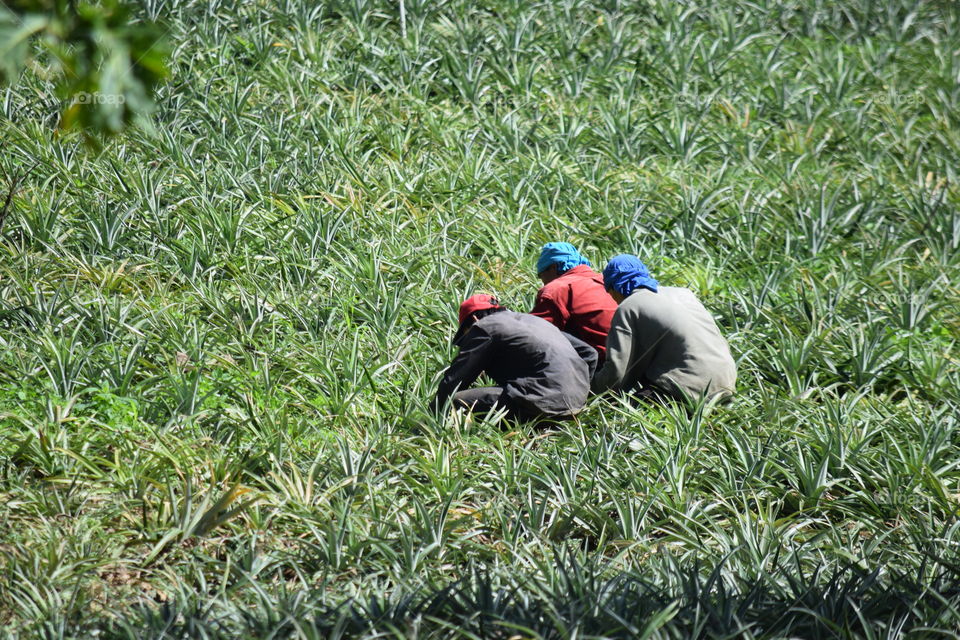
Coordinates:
[562,254]
[625,273]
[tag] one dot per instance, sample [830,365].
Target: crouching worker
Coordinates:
[539,371]
[662,341]
[573,298]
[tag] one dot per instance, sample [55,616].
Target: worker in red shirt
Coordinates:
[573,297]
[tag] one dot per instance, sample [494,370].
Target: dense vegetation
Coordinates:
[219,334]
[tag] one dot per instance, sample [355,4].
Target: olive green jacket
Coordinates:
[669,342]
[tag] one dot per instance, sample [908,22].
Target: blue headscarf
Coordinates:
[625,273]
[562,254]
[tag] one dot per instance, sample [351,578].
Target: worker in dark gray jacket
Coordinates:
[539,371]
[662,341]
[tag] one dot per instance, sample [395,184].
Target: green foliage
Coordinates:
[219,335]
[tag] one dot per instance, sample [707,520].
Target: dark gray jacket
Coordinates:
[542,370]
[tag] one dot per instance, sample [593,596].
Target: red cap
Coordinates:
[476,303]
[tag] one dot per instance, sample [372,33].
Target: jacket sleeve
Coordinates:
[470,362]
[547,308]
[619,349]
[585,351]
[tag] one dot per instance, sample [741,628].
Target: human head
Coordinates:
[474,308]
[557,258]
[624,274]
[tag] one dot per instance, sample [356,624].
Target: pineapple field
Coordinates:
[221,328]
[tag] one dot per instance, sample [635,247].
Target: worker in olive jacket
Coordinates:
[539,371]
[662,341]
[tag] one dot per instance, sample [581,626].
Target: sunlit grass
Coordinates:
[219,336]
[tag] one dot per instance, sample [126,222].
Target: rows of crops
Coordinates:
[219,335]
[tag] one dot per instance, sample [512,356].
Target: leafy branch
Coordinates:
[108,62]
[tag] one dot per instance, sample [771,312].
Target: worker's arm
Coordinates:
[619,350]
[547,308]
[585,351]
[466,367]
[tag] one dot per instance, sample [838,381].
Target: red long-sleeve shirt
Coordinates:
[578,303]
